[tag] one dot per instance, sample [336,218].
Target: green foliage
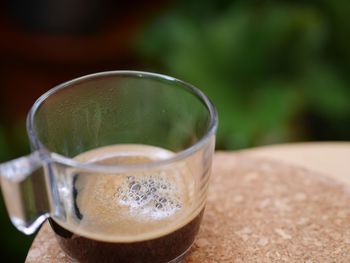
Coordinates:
[276,70]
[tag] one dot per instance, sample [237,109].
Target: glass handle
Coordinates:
[24,191]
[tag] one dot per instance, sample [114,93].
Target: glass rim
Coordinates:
[50,156]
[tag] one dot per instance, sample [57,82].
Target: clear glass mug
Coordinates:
[120,166]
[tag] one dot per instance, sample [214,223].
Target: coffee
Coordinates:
[141,216]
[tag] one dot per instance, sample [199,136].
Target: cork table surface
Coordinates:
[285,203]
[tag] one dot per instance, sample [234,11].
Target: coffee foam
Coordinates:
[132,206]
[153,196]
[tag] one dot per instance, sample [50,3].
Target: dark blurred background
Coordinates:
[278,71]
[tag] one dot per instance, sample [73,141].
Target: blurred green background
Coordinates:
[277,71]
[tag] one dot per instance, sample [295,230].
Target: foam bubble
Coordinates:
[152,196]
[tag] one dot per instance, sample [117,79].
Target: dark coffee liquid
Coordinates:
[159,250]
[145,216]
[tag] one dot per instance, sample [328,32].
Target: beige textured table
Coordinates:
[331,158]
[270,204]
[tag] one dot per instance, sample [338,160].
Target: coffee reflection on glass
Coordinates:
[126,159]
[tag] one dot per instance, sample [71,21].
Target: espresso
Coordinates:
[141,216]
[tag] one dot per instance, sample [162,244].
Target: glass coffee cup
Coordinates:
[120,167]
